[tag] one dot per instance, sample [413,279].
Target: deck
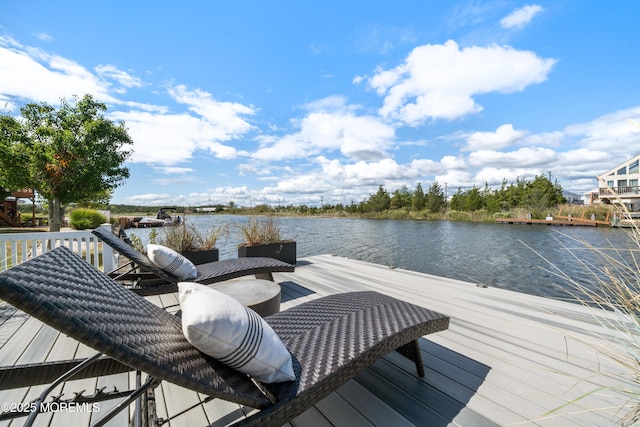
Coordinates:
[507,359]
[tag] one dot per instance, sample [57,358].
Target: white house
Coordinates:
[572,198]
[620,185]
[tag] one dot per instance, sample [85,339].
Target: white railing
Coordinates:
[16,248]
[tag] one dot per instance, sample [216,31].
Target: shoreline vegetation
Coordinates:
[602,213]
[537,199]
[598,212]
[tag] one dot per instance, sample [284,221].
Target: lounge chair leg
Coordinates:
[265,276]
[412,352]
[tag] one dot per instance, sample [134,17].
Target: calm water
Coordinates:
[496,255]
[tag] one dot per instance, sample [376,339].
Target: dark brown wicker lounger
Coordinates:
[331,339]
[208,273]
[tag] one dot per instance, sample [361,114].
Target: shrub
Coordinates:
[82,219]
[186,238]
[262,231]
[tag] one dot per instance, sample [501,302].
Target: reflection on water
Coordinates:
[496,255]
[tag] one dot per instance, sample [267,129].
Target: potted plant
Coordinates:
[198,247]
[262,237]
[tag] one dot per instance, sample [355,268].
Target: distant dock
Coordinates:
[558,221]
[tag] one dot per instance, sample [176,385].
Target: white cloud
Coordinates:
[613,132]
[151,199]
[504,136]
[520,17]
[224,116]
[452,162]
[248,169]
[526,157]
[453,179]
[176,170]
[495,176]
[439,81]
[550,139]
[169,139]
[330,125]
[122,77]
[37,76]
[44,37]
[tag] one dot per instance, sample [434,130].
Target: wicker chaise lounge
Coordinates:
[331,339]
[212,272]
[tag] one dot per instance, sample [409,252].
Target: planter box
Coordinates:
[202,257]
[283,251]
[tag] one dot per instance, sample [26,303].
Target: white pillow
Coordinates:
[172,262]
[218,325]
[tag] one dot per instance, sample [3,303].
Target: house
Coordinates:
[620,185]
[572,198]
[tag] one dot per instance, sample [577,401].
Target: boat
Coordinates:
[167,219]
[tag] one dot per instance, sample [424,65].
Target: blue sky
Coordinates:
[296,102]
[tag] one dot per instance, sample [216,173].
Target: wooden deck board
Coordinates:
[375,410]
[507,358]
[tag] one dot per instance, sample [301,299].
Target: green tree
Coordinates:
[474,200]
[12,173]
[435,197]
[514,195]
[401,198]
[381,201]
[490,199]
[418,200]
[459,200]
[73,154]
[541,193]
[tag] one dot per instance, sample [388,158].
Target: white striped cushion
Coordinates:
[218,325]
[171,262]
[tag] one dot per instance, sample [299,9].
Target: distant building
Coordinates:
[572,198]
[592,197]
[620,185]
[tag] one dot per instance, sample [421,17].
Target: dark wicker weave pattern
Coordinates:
[336,337]
[212,272]
[331,339]
[67,293]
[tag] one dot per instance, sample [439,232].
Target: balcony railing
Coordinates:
[620,191]
[16,248]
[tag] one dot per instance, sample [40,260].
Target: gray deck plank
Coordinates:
[178,400]
[338,410]
[437,390]
[375,410]
[311,418]
[111,382]
[15,346]
[219,411]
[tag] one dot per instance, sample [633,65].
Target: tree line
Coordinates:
[538,194]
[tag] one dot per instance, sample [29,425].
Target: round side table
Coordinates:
[262,296]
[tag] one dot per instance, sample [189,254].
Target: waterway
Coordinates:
[524,258]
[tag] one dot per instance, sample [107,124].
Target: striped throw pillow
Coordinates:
[218,325]
[171,262]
